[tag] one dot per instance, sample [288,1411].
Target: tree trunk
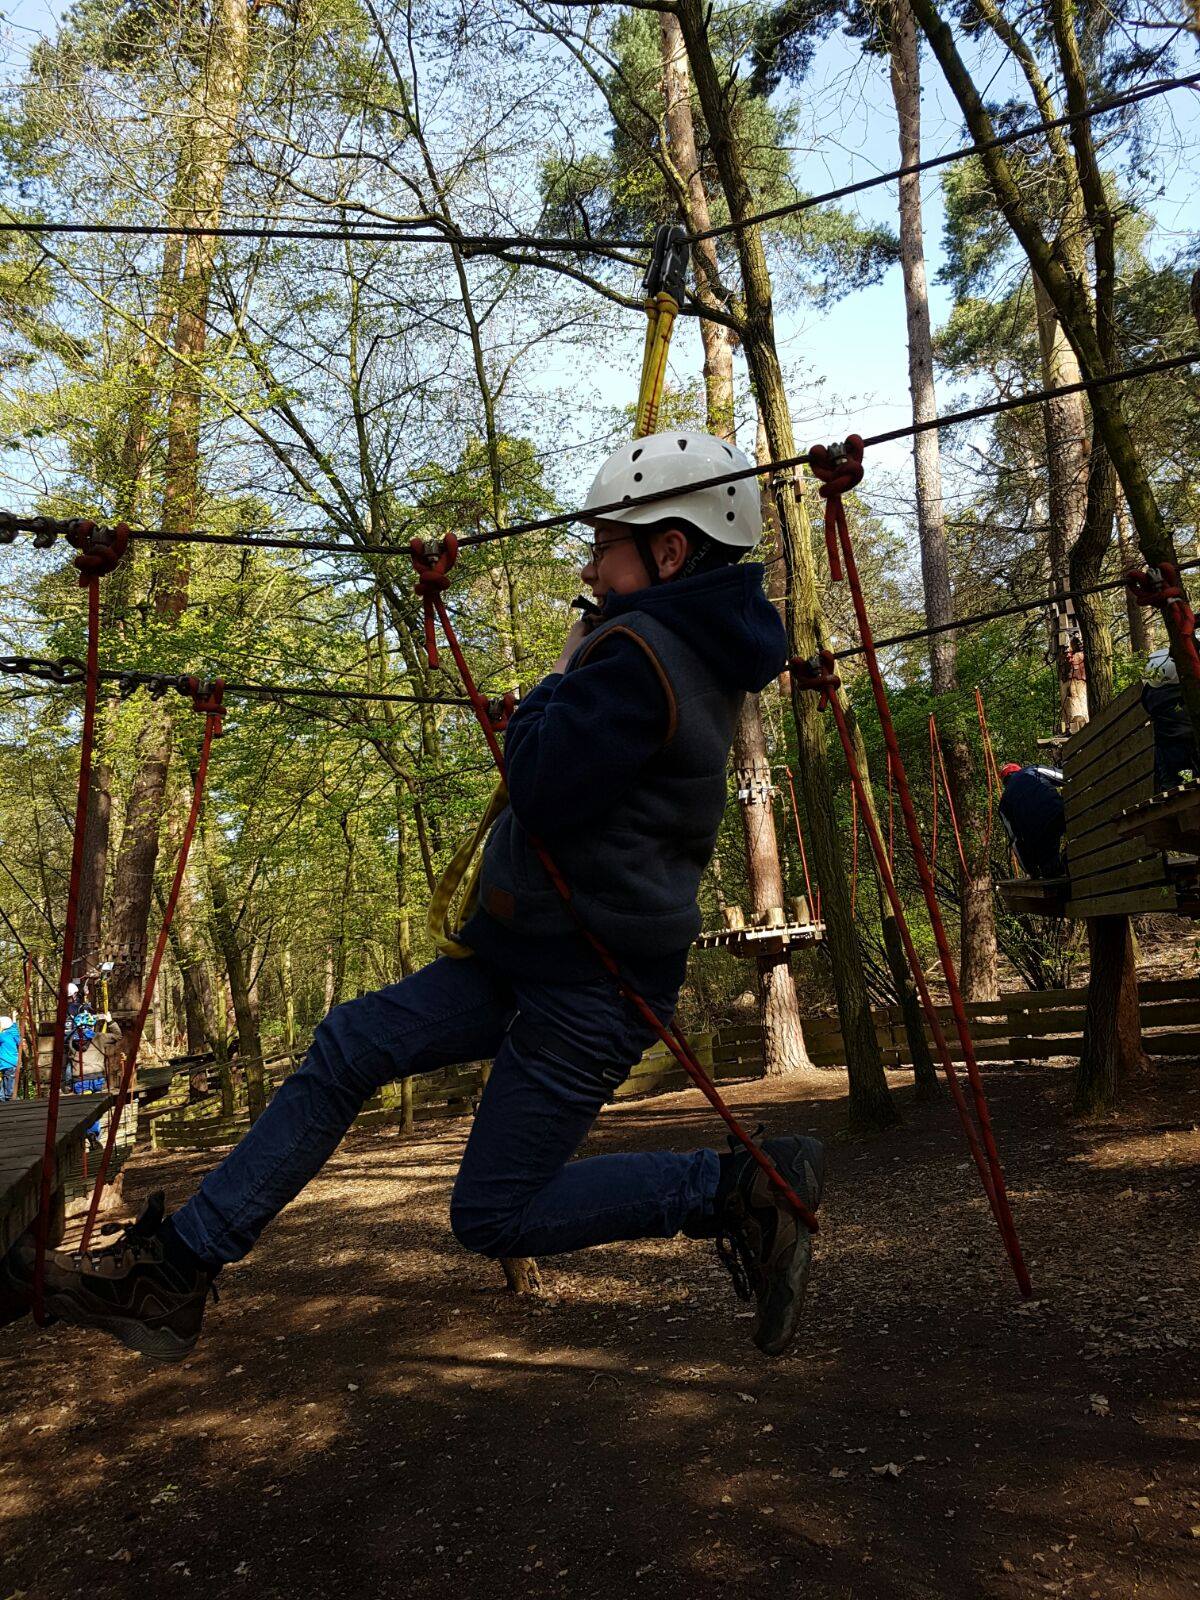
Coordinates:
[977,919]
[1112,1033]
[209,132]
[783,1035]
[95,866]
[1139,633]
[1065,423]
[404,956]
[695,214]
[784,1050]
[133,879]
[925,1078]
[225,934]
[871,1104]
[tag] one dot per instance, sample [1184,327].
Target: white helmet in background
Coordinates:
[729,513]
[6,1023]
[72,990]
[1160,670]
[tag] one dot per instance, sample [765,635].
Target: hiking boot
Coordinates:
[145,1289]
[762,1242]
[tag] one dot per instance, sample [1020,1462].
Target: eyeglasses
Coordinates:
[595,549]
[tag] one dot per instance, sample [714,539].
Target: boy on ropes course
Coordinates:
[617,761]
[1034,817]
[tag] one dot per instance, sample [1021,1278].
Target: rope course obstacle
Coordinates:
[838,470]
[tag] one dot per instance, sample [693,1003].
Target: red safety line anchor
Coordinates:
[1161,586]
[206,698]
[828,467]
[437,567]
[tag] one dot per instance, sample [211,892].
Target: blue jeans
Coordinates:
[6,1083]
[559,1052]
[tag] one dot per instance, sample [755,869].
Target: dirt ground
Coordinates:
[369,1413]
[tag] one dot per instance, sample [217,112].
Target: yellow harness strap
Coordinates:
[443,928]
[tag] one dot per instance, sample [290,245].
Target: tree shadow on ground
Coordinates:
[370,1412]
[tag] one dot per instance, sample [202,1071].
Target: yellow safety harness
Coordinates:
[662,295]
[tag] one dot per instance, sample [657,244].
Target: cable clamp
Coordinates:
[818,674]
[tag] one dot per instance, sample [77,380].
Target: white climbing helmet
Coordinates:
[5,1024]
[729,513]
[1160,670]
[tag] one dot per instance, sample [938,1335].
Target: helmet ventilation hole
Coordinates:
[731,489]
[682,443]
[729,516]
[637,477]
[636,453]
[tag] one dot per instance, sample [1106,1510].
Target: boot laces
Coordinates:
[736,1256]
[138,1239]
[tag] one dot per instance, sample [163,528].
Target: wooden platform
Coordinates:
[22,1139]
[1115,868]
[1170,820]
[1035,897]
[762,941]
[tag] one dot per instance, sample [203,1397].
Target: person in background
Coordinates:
[1175,756]
[10,1044]
[1034,817]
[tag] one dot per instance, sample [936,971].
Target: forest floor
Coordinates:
[369,1413]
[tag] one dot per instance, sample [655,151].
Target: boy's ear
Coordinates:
[671,551]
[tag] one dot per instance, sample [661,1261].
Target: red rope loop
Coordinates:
[433,578]
[1161,586]
[838,468]
[100,549]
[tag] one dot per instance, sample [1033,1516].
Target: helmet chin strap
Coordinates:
[641,543]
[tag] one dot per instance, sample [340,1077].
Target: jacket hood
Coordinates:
[723,615]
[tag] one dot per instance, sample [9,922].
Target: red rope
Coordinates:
[58,1047]
[935,737]
[891,791]
[827,471]
[935,791]
[814,904]
[1162,586]
[675,1042]
[210,704]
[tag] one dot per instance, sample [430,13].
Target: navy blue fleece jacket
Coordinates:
[618,766]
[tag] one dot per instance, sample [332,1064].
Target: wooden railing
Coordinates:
[1032,1025]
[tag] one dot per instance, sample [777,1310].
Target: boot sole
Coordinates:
[797,1281]
[155,1344]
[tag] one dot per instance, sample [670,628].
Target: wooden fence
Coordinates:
[1034,1025]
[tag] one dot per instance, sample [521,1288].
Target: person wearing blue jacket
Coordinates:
[10,1046]
[1034,817]
[616,760]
